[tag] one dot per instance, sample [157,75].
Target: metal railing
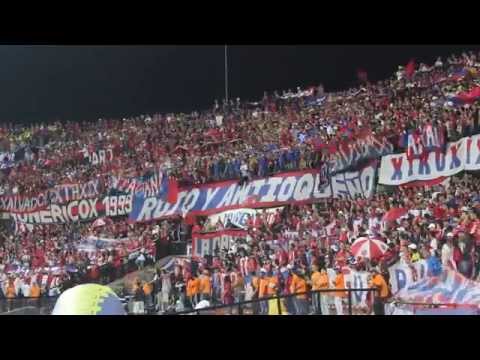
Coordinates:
[284,304]
[42,305]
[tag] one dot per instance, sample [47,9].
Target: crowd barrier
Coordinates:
[311,303]
[28,306]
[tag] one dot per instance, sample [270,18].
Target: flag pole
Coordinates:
[226,74]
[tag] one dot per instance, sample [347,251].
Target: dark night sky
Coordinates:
[39,83]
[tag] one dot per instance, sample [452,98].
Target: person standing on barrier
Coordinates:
[339,295]
[381,295]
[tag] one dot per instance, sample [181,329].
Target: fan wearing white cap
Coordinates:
[413,251]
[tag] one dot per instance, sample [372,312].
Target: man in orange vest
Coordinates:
[148,290]
[196,296]
[34,290]
[205,286]
[272,285]
[10,293]
[192,290]
[262,291]
[299,286]
[381,295]
[34,293]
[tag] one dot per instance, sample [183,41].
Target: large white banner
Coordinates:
[358,280]
[459,156]
[403,275]
[239,217]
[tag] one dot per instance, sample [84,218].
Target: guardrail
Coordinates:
[314,304]
[42,305]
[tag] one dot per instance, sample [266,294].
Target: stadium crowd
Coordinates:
[442,226]
[292,131]
[295,130]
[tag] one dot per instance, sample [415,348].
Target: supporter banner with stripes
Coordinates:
[403,275]
[300,187]
[450,287]
[459,156]
[83,210]
[211,243]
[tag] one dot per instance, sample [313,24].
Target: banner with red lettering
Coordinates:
[351,153]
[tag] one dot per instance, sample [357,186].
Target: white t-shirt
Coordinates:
[447,254]
[26,290]
[244,170]
[356,226]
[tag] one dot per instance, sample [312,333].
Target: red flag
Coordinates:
[172,195]
[410,68]
[470,96]
[394,213]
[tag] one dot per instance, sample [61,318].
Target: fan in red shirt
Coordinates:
[341,256]
[475,231]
